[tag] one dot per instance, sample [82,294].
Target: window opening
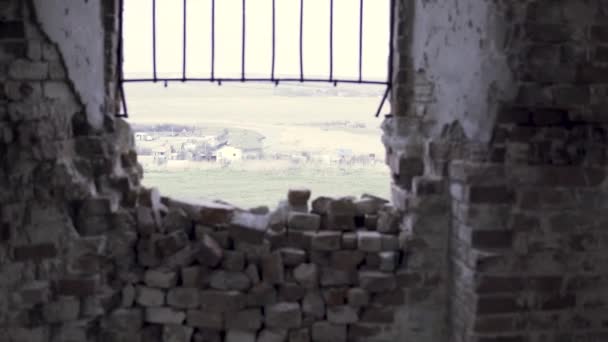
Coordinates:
[244,76]
[305,123]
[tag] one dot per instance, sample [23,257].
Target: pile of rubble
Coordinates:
[213,272]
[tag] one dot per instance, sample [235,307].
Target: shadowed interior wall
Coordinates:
[502,103]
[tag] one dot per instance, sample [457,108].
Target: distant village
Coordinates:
[166,143]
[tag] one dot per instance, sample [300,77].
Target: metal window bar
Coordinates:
[360,80]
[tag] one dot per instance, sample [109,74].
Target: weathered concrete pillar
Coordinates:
[503,102]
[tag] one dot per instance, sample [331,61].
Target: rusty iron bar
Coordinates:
[184,76]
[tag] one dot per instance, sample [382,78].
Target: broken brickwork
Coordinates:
[212,272]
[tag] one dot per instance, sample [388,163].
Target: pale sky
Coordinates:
[138,38]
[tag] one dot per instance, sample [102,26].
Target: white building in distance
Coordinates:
[228,154]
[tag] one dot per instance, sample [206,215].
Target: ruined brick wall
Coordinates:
[495,232]
[212,272]
[67,179]
[87,254]
[503,103]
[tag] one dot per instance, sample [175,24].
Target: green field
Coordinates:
[250,188]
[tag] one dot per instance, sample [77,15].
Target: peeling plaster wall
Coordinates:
[458,56]
[73,26]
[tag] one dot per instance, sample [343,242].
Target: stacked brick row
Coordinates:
[212,272]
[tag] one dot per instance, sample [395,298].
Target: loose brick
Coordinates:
[299,335]
[164,315]
[298,197]
[247,320]
[210,252]
[222,301]
[313,305]
[233,261]
[293,256]
[307,275]
[12,30]
[369,241]
[378,315]
[388,261]
[261,295]
[303,222]
[291,292]
[326,241]
[335,296]
[160,279]
[276,335]
[253,274]
[347,260]
[283,315]
[192,276]
[177,333]
[77,287]
[214,214]
[349,241]
[334,277]
[22,69]
[224,280]
[172,243]
[64,309]
[377,281]
[363,331]
[491,195]
[205,319]
[35,252]
[328,332]
[498,305]
[357,297]
[272,268]
[342,314]
[249,227]
[207,335]
[148,296]
[183,297]
[240,336]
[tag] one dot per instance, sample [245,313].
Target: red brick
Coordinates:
[558,302]
[514,338]
[12,30]
[495,284]
[378,315]
[499,324]
[408,279]
[547,33]
[545,283]
[76,287]
[362,332]
[599,33]
[491,194]
[390,298]
[549,116]
[35,252]
[498,305]
[492,239]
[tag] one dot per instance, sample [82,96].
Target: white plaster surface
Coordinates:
[76,27]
